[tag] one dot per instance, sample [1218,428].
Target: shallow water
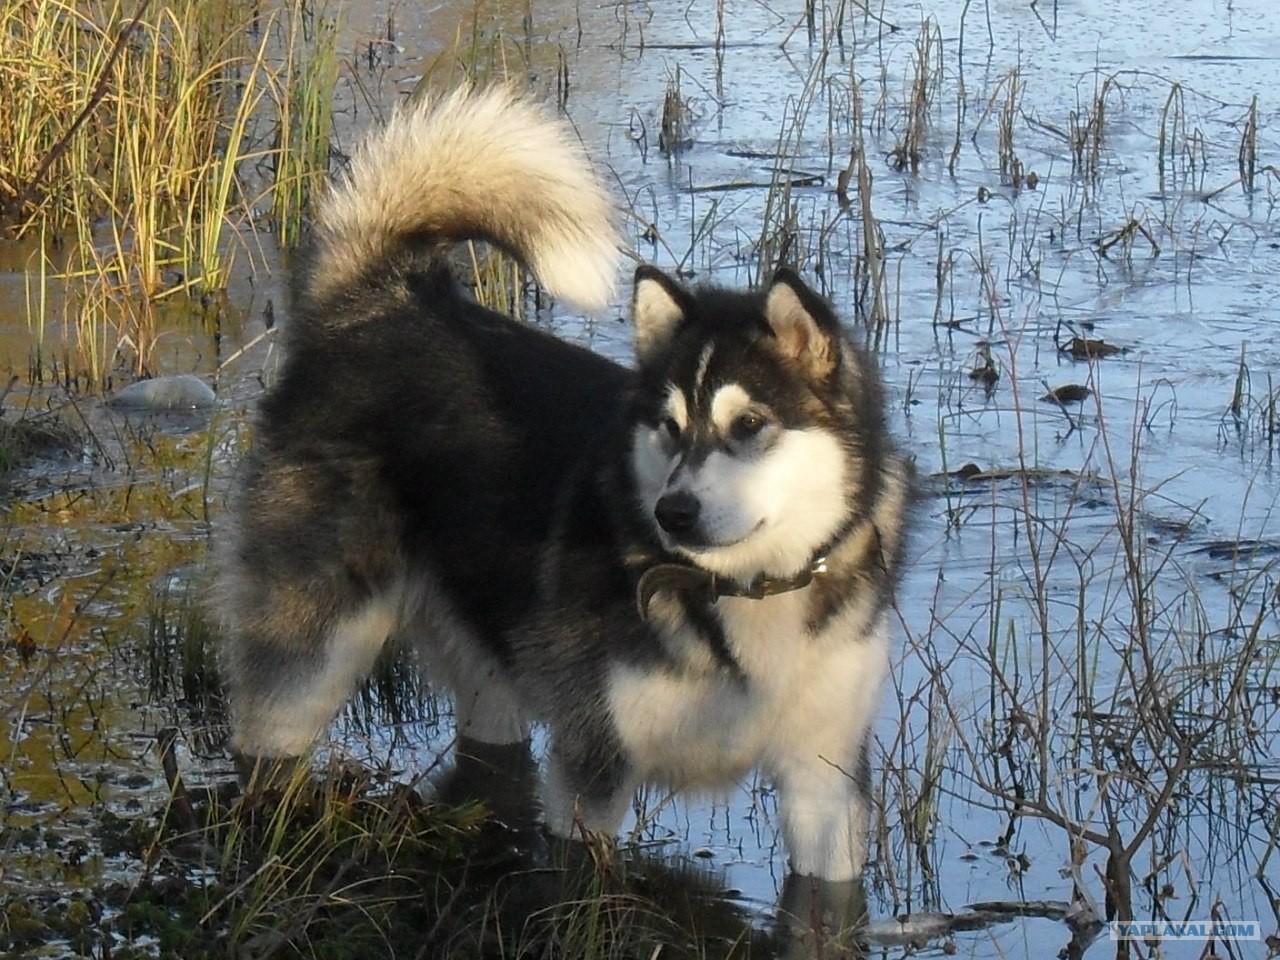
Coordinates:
[1016,668]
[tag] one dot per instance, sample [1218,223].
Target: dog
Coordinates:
[683,569]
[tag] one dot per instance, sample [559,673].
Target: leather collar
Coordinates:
[709,587]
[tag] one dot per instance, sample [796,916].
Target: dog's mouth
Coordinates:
[696,541]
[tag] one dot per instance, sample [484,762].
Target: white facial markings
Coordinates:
[770,512]
[652,452]
[764,505]
[727,403]
[677,407]
[704,362]
[651,465]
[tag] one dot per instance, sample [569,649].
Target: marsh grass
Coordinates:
[333,865]
[179,656]
[1083,676]
[1248,153]
[303,98]
[1180,152]
[1011,171]
[674,127]
[501,283]
[28,434]
[1252,415]
[873,291]
[926,80]
[1121,705]
[1087,130]
[133,165]
[1127,234]
[787,238]
[340,861]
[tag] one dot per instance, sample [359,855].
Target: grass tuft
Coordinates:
[135,166]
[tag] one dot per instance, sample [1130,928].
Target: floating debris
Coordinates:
[41,434]
[967,472]
[1246,549]
[1068,393]
[985,370]
[1084,348]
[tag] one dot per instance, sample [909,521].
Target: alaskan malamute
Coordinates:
[683,570]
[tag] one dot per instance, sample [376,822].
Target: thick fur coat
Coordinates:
[684,570]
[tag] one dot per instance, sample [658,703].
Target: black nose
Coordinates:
[677,512]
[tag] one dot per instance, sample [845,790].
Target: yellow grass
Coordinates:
[132,132]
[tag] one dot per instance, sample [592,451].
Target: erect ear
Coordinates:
[658,307]
[802,325]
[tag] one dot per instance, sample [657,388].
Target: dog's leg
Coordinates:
[822,767]
[822,917]
[586,793]
[501,776]
[285,688]
[310,586]
[826,814]
[486,706]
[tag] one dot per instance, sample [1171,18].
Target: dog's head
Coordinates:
[758,424]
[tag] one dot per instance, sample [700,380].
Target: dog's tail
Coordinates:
[487,166]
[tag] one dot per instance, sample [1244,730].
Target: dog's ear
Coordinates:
[804,329]
[658,307]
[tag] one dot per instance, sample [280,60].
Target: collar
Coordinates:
[707,586]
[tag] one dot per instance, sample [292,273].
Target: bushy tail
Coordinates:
[485,165]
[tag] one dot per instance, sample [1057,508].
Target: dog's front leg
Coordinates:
[586,794]
[826,814]
[821,917]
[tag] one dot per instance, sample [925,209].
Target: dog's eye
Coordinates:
[745,426]
[671,428]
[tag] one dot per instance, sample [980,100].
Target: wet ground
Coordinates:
[1078,254]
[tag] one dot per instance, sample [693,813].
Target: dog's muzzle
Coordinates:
[677,514]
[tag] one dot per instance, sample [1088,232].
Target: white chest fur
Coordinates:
[799,700]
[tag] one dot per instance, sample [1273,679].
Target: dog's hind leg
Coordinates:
[310,586]
[287,686]
[457,657]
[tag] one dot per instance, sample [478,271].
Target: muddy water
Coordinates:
[1019,675]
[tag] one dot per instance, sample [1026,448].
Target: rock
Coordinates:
[184,391]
